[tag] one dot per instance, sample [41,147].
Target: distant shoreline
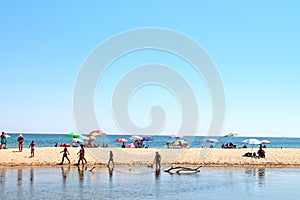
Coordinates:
[124,135]
[51,156]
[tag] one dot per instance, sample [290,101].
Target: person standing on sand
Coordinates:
[65,155]
[3,141]
[81,155]
[20,141]
[157,161]
[32,146]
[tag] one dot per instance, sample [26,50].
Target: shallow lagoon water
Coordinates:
[142,182]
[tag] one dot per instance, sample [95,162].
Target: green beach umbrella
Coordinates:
[231,134]
[75,135]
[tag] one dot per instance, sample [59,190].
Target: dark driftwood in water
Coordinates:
[180,170]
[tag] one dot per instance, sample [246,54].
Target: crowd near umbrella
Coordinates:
[130,145]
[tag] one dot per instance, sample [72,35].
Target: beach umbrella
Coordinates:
[121,140]
[136,137]
[265,142]
[212,140]
[175,136]
[252,142]
[147,139]
[75,135]
[231,134]
[77,140]
[97,133]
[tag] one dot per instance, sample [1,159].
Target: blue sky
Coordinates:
[254,45]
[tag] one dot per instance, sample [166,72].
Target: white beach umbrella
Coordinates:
[136,137]
[212,140]
[252,141]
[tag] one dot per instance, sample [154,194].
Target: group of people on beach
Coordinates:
[80,154]
[260,153]
[20,141]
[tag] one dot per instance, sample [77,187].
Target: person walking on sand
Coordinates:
[111,159]
[20,141]
[32,146]
[3,141]
[81,155]
[65,154]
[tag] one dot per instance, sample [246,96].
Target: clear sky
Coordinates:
[254,45]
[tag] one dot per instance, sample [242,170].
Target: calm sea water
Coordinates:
[210,183]
[48,140]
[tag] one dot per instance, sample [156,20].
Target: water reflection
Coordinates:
[31,175]
[20,176]
[261,177]
[81,173]
[64,172]
[259,172]
[2,176]
[110,172]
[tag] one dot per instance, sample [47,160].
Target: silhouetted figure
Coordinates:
[20,141]
[81,155]
[261,153]
[111,159]
[32,146]
[157,160]
[65,154]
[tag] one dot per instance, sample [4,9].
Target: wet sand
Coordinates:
[51,156]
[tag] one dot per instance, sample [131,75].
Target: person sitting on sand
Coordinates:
[31,146]
[81,155]
[261,153]
[65,155]
[123,145]
[20,141]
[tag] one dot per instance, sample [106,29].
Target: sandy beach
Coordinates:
[51,156]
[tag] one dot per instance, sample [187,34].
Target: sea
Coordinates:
[50,140]
[143,183]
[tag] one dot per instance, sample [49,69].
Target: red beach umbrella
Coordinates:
[121,140]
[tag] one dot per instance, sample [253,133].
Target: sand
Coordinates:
[51,156]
